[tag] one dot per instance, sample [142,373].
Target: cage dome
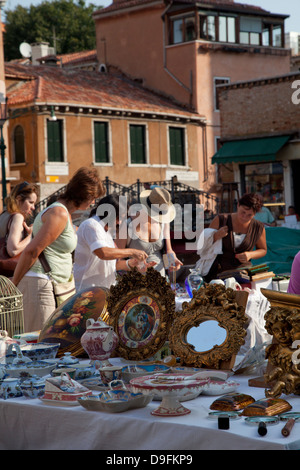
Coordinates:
[11,308]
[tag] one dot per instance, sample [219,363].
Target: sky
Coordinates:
[289,7]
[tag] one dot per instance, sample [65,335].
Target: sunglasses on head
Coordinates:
[22,186]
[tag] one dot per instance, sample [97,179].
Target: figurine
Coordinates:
[283,324]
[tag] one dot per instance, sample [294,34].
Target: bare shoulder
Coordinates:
[215,222]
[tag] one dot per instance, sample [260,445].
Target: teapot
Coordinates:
[99,341]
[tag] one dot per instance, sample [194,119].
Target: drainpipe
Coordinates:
[188,89]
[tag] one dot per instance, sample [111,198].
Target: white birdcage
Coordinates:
[11,308]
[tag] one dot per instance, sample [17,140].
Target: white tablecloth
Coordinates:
[31,424]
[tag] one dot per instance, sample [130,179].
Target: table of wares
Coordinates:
[30,424]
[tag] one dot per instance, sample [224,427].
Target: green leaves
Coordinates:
[66,25]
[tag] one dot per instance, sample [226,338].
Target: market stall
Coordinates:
[129,377]
[31,424]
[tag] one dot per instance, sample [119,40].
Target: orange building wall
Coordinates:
[78,132]
[135,43]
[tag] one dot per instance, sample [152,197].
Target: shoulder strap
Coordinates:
[44,263]
[9,223]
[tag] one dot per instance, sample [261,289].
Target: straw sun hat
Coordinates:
[158,203]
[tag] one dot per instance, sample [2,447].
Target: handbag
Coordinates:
[62,290]
[7,263]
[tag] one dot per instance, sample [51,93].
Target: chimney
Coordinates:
[39,50]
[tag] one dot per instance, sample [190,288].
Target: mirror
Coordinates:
[207,335]
[211,328]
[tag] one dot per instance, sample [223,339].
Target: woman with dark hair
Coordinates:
[238,235]
[20,204]
[97,257]
[54,235]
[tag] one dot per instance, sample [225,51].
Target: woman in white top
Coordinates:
[97,258]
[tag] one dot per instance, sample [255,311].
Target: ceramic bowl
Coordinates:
[83,371]
[28,369]
[33,387]
[132,371]
[114,401]
[40,351]
[10,388]
[219,387]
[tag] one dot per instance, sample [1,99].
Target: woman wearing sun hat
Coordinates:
[149,229]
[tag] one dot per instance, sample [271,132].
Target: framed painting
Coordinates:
[140,307]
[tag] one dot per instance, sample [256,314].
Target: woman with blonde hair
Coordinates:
[54,235]
[20,205]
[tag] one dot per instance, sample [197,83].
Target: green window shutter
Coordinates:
[101,142]
[177,147]
[19,145]
[55,142]
[137,144]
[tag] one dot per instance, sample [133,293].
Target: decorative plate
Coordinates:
[67,323]
[138,370]
[141,308]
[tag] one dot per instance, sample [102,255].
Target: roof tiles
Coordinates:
[62,86]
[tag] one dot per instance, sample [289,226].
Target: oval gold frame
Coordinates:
[211,302]
[133,285]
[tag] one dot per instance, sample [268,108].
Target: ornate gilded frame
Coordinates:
[141,308]
[210,302]
[282,321]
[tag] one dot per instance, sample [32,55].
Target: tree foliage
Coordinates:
[66,25]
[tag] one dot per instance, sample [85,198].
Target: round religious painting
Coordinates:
[138,321]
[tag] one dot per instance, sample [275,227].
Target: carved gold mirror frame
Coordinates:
[140,308]
[211,302]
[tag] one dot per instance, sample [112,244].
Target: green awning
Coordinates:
[250,150]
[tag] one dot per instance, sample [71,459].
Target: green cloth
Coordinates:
[283,244]
[250,150]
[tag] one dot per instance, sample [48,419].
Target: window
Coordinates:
[137,144]
[183,29]
[226,29]
[177,145]
[277,35]
[265,179]
[266,35]
[19,145]
[55,141]
[101,142]
[208,27]
[219,81]
[250,30]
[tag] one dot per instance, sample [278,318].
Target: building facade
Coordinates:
[186,50]
[61,119]
[260,148]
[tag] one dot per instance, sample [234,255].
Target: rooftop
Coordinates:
[229,5]
[62,86]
